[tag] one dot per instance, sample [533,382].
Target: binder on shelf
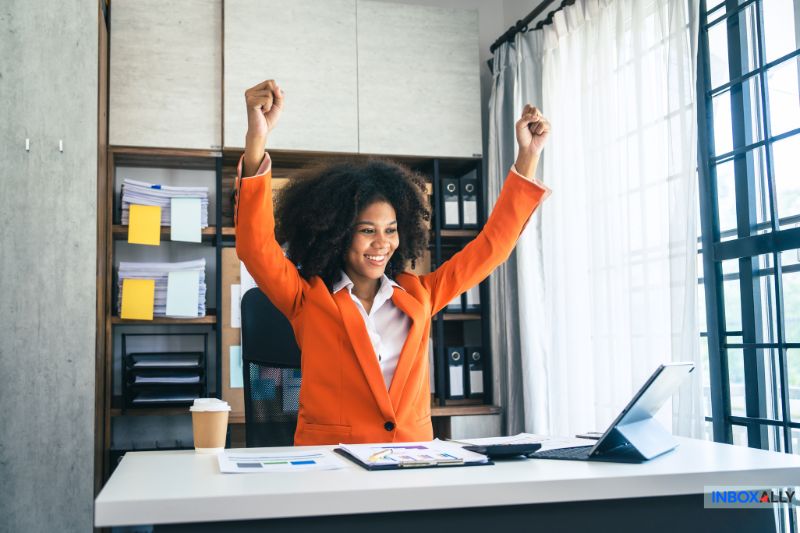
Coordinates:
[469,200]
[451,217]
[455,372]
[472,299]
[474,374]
[455,305]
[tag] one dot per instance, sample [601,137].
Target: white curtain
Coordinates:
[606,274]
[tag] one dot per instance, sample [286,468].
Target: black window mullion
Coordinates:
[724,158]
[752,157]
[709,223]
[775,219]
[743,420]
[787,239]
[758,70]
[766,345]
[731,10]
[744,183]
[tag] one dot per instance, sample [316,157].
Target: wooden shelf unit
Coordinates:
[460,233]
[465,410]
[120,232]
[166,321]
[461,316]
[110,231]
[150,411]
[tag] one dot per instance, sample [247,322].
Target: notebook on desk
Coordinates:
[634,436]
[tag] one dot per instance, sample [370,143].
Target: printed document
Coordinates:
[240,462]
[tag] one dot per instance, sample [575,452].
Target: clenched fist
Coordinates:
[264,107]
[532,131]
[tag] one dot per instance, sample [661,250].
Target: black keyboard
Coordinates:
[580,452]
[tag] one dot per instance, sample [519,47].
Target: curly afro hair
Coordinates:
[316,212]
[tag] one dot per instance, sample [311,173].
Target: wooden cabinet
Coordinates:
[418,80]
[309,47]
[166,74]
[360,76]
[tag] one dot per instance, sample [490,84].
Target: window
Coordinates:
[749,156]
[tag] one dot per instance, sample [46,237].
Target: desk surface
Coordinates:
[180,486]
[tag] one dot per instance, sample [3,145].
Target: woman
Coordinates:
[351,228]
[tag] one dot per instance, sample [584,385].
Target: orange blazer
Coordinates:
[343,397]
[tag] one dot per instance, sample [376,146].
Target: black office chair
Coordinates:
[271,366]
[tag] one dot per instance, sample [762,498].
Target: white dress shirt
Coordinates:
[386,324]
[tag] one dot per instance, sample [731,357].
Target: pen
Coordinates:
[379,454]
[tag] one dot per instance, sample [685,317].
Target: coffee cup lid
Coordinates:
[209,404]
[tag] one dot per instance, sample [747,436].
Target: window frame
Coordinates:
[751,239]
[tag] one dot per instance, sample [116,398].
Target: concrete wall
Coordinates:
[48,220]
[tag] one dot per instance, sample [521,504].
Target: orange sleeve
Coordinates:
[518,199]
[256,245]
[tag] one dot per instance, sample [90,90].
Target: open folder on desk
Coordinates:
[394,455]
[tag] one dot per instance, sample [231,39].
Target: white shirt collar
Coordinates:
[387,285]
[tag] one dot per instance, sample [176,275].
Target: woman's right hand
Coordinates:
[264,106]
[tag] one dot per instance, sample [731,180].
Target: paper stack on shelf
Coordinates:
[143,193]
[160,273]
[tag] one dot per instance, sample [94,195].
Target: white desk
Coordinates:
[182,487]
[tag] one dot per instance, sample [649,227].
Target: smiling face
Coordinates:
[375,239]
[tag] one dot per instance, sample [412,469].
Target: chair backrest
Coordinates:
[271,365]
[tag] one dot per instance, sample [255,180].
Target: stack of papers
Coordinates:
[143,193]
[179,289]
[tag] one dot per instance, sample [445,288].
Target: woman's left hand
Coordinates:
[532,132]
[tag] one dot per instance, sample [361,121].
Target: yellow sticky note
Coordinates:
[137,298]
[145,225]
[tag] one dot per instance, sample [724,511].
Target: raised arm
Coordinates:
[520,196]
[256,245]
